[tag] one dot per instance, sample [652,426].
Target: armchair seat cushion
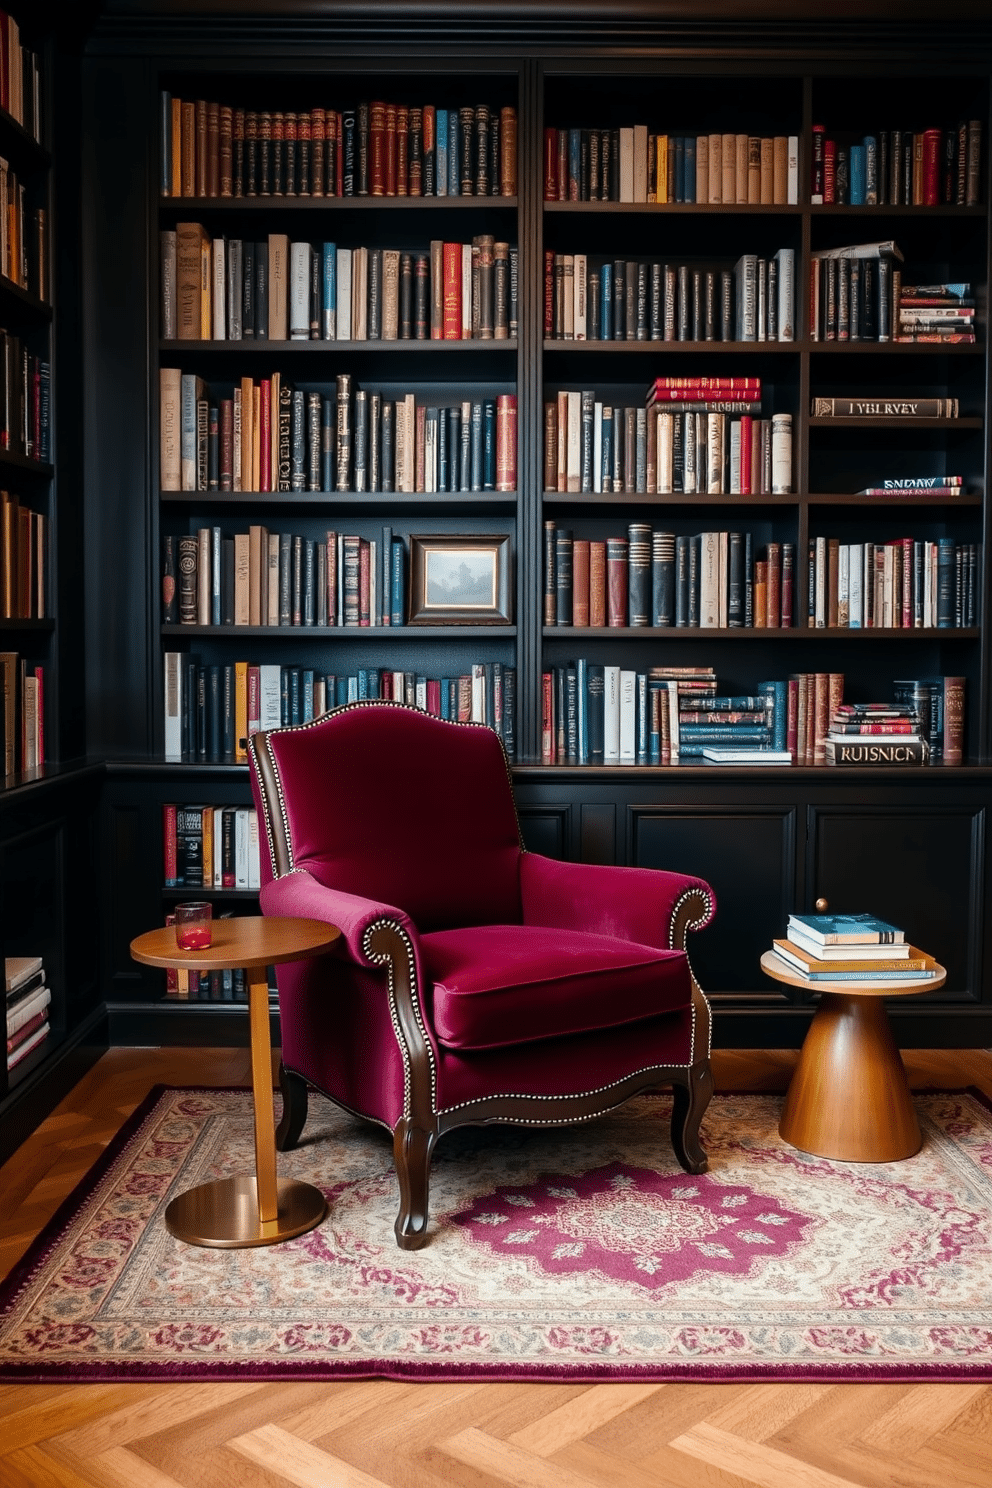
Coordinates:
[496,985]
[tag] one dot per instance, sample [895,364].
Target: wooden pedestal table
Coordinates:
[259,1208]
[849,1097]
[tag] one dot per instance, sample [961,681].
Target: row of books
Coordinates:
[373,149]
[851,948]
[260,577]
[720,445]
[271,436]
[231,289]
[906,583]
[636,164]
[934,312]
[211,710]
[23,560]
[707,580]
[28,1000]
[854,292]
[22,690]
[898,167]
[210,847]
[25,400]
[642,300]
[23,236]
[594,714]
[20,78]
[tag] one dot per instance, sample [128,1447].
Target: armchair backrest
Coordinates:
[385,801]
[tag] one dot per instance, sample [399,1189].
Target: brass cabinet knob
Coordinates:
[822,906]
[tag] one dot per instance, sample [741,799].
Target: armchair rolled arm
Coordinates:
[299,893]
[646,905]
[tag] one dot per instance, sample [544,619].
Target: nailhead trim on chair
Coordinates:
[384,959]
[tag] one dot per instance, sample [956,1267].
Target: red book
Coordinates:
[547,719]
[364,582]
[773,598]
[506,442]
[954,720]
[26,1030]
[792,717]
[816,176]
[711,384]
[226,444]
[931,167]
[747,434]
[265,435]
[550,164]
[616,581]
[562,171]
[434,696]
[906,607]
[402,152]
[338,156]
[391,156]
[318,152]
[452,290]
[580,581]
[377,149]
[386,686]
[429,131]
[597,584]
[170,867]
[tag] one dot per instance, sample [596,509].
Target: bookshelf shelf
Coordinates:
[763,633]
[186,206]
[21,305]
[25,465]
[934,426]
[413,633]
[374,503]
[675,209]
[39,627]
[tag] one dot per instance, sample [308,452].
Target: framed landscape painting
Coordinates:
[460,580]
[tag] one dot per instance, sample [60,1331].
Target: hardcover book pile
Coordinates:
[22,713]
[635,164]
[937,487]
[270,436]
[696,435]
[898,167]
[941,313]
[25,400]
[707,580]
[372,149]
[903,584]
[231,289]
[587,298]
[28,1000]
[211,710]
[924,724]
[851,948]
[853,291]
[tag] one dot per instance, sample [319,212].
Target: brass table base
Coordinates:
[224,1214]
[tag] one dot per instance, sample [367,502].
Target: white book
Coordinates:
[843,585]
[219,289]
[568,297]
[579,291]
[714,453]
[786,260]
[272,580]
[735,457]
[344,294]
[254,857]
[666,430]
[626,165]
[724,573]
[709,581]
[792,179]
[399,446]
[628,718]
[640,163]
[611,715]
[855,572]
[339,611]
[597,447]
[421,693]
[359,294]
[399,683]
[781,454]
[673,719]
[36,1003]
[740,169]
[761,307]
[573,469]
[745,276]
[430,453]
[173,742]
[715,756]
[241,848]
[410,442]
[820,576]
[269,696]
[714,188]
[374,617]
[299,291]
[728,169]
[478,692]
[466,291]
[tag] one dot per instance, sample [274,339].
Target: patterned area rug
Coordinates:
[565,1255]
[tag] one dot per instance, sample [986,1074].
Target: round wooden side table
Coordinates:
[849,1097]
[258,1208]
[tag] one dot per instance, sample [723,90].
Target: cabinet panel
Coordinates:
[921,869]
[748,856]
[545,831]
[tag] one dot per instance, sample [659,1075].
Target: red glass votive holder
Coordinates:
[193,926]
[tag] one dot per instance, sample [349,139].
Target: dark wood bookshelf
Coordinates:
[187,206]
[264,347]
[776,633]
[480,633]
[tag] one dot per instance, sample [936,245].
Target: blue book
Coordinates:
[582,703]
[454,156]
[655,690]
[351,695]
[445,700]
[574,165]
[716,733]
[306,680]
[342,691]
[606,302]
[857,168]
[489,445]
[852,929]
[779,693]
[946,583]
[441,145]
[397,614]
[329,297]
[643,718]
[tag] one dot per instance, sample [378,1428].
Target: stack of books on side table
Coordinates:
[851,948]
[27,1006]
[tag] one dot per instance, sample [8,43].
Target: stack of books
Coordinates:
[851,948]
[27,1006]
[936,312]
[876,734]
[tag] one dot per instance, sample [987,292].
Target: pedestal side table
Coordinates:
[849,1097]
[259,1208]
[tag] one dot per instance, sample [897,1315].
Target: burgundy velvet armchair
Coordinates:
[476,982]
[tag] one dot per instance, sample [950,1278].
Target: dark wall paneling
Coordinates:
[921,868]
[598,832]
[748,856]
[546,831]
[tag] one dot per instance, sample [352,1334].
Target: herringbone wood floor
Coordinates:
[378,1434]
